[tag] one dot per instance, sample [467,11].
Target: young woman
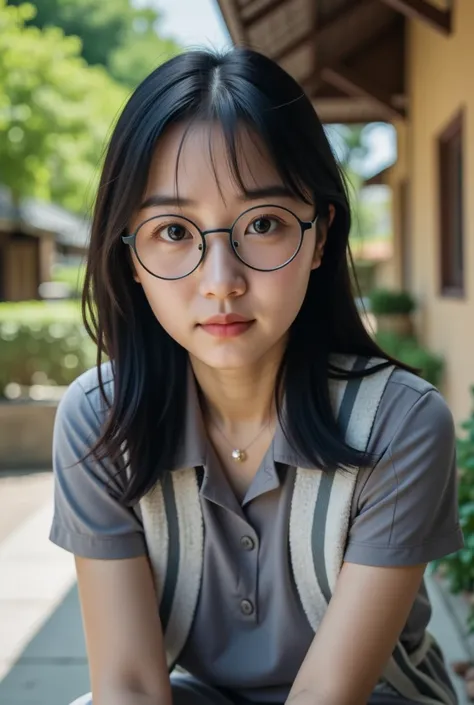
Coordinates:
[251,488]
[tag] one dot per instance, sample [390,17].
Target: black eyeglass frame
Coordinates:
[305,225]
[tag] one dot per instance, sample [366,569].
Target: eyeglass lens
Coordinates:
[170,246]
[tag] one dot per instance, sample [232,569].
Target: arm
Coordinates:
[356,638]
[123,633]
[118,601]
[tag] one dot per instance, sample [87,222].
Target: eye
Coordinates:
[172,232]
[263,225]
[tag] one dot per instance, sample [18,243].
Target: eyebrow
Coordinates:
[277,190]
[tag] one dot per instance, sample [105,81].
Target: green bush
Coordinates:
[42,343]
[365,273]
[72,275]
[409,351]
[458,568]
[385,301]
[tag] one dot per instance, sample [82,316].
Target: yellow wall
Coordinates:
[389,272]
[441,82]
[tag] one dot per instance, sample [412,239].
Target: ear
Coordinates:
[322,236]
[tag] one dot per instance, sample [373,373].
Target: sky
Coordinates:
[194,22]
[199,22]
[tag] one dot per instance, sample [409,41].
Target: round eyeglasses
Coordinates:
[264,238]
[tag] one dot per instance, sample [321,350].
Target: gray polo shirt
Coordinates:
[250,634]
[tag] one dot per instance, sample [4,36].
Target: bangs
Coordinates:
[238,129]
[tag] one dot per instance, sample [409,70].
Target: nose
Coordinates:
[221,273]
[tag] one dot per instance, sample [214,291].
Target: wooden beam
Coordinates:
[354,85]
[250,17]
[362,11]
[296,43]
[424,11]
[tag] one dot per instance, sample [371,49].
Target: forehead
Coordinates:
[195,161]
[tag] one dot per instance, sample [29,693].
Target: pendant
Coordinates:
[238,455]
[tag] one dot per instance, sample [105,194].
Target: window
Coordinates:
[450,153]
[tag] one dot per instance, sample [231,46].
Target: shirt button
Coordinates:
[247,543]
[246,607]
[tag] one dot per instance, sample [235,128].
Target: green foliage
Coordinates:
[385,301]
[349,142]
[42,344]
[458,568]
[73,276]
[46,312]
[55,111]
[409,351]
[141,51]
[114,33]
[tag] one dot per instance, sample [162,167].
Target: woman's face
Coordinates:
[267,302]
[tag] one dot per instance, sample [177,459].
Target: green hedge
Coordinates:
[42,343]
[409,351]
[385,301]
[73,276]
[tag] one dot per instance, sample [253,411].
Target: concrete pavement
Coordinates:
[42,652]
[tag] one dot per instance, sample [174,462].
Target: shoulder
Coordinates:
[83,402]
[411,405]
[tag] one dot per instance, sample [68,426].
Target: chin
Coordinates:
[228,362]
[227,359]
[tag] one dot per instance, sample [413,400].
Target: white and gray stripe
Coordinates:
[418,681]
[175,553]
[322,501]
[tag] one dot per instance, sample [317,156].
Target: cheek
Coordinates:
[169,301]
[283,292]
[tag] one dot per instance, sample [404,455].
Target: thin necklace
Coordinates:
[240,454]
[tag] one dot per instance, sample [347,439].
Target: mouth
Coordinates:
[227,325]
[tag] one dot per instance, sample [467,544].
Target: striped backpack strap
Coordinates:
[421,677]
[174,532]
[322,501]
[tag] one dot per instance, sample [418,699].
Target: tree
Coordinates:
[350,144]
[55,111]
[114,33]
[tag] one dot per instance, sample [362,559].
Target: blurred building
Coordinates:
[34,236]
[411,63]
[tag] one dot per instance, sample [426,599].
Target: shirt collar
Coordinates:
[193,448]
[193,443]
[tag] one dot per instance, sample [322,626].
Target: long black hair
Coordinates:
[237,88]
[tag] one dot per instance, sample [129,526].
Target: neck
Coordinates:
[238,399]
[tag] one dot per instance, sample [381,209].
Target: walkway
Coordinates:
[42,654]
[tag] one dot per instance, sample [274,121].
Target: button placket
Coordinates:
[248,544]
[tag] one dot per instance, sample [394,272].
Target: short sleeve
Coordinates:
[408,507]
[88,519]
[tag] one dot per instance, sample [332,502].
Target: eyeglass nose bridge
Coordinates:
[227,231]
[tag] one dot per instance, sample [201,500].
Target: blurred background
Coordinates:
[392,81]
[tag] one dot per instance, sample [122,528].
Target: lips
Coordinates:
[227,325]
[225,319]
